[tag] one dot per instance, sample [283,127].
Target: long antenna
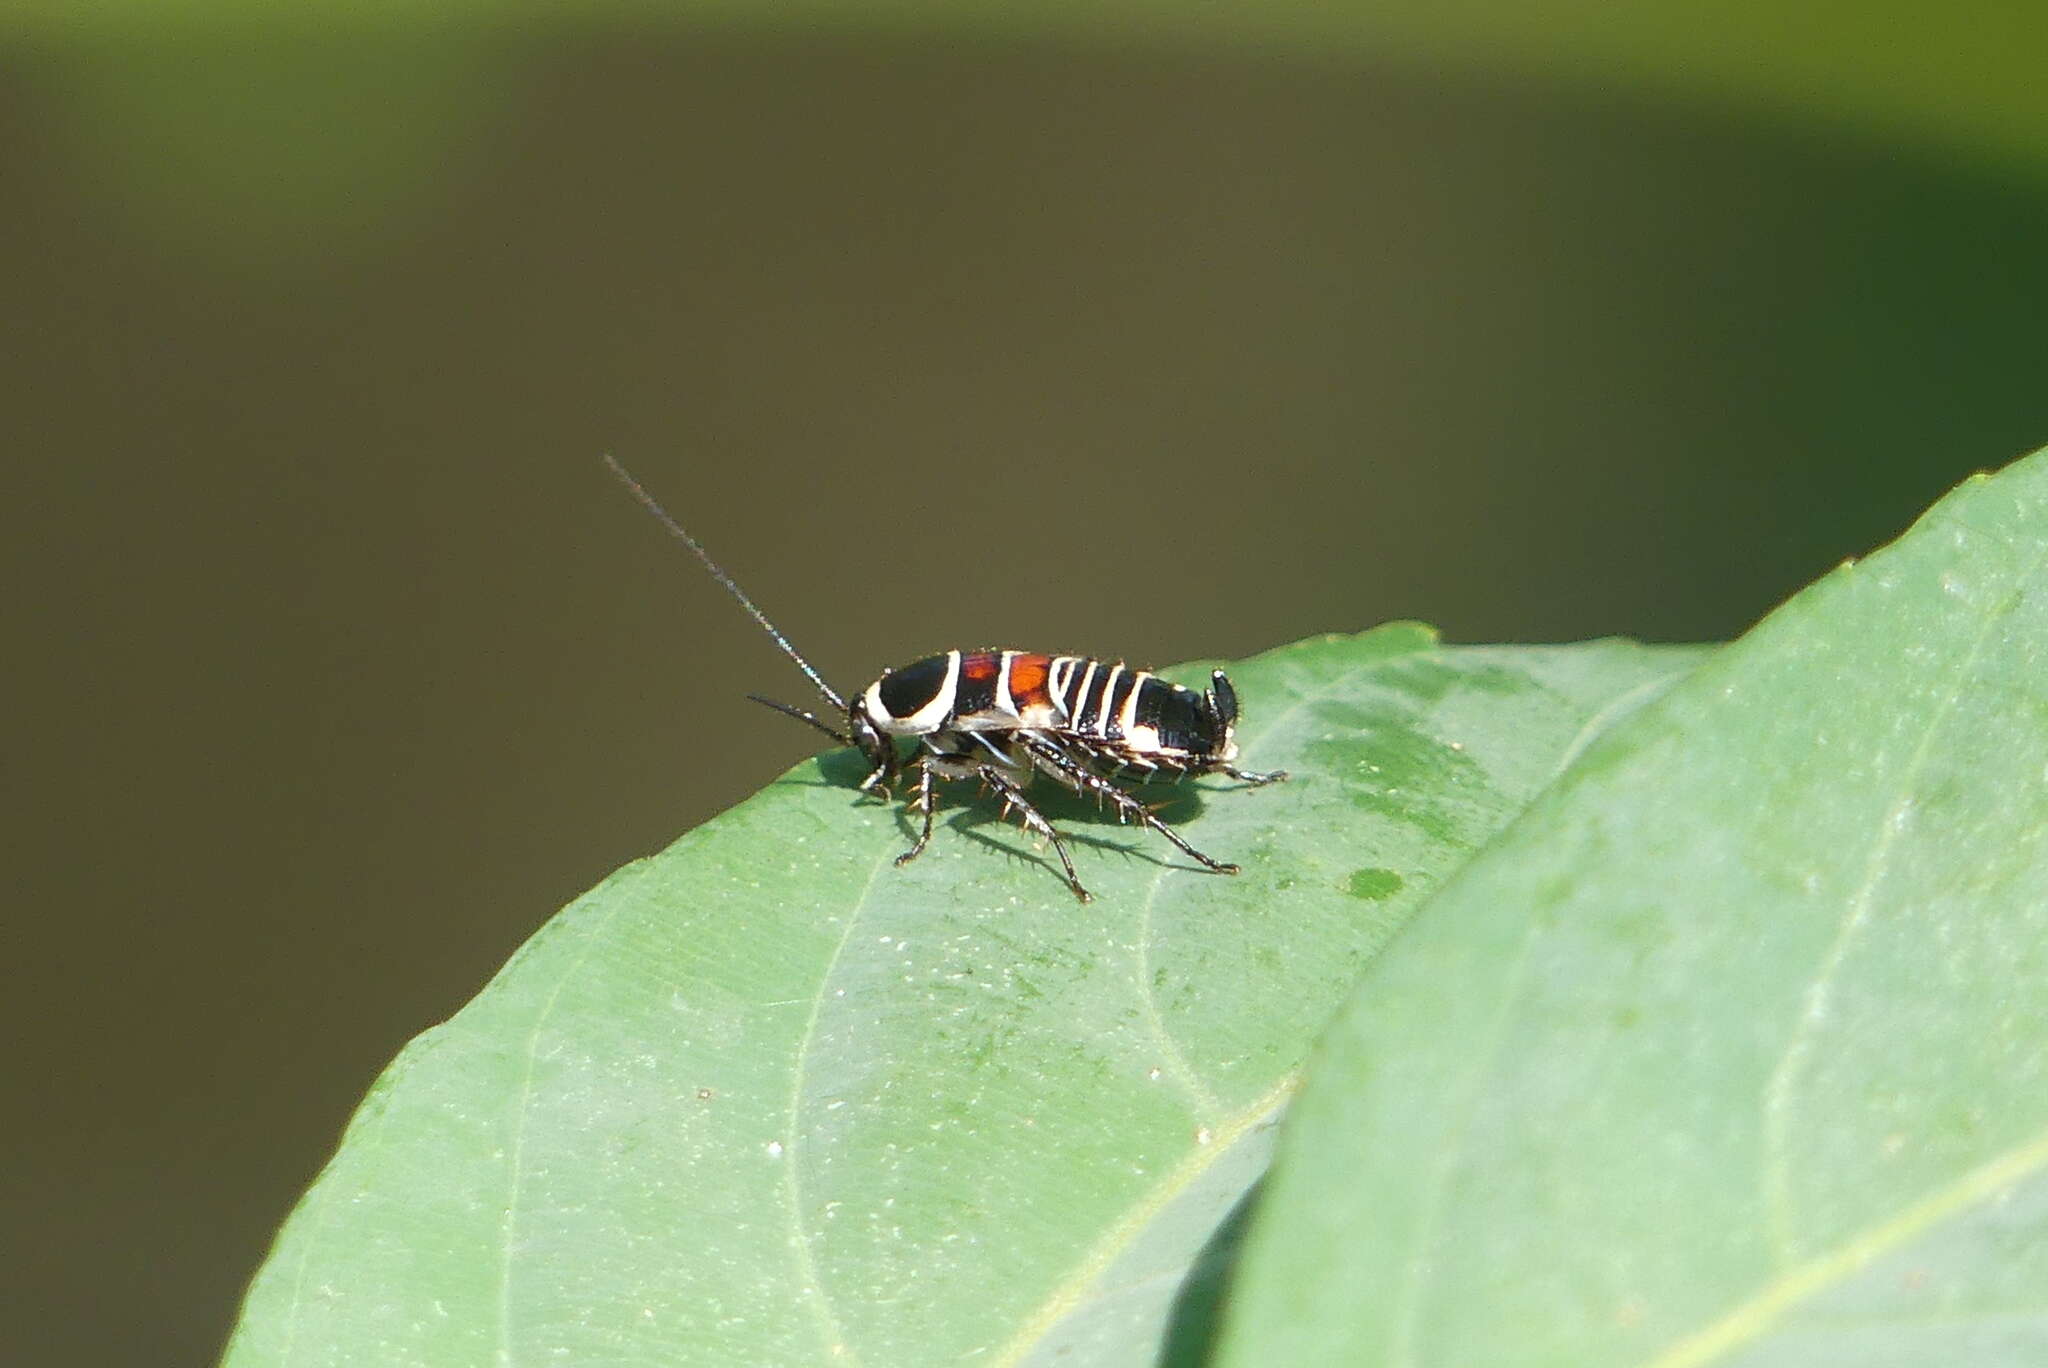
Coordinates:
[676,530]
[802,715]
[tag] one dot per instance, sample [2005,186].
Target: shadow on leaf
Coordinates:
[1194,1319]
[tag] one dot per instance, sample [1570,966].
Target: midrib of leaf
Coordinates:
[1777,1098]
[1752,1318]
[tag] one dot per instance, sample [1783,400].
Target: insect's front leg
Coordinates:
[888,764]
[927,802]
[1253,777]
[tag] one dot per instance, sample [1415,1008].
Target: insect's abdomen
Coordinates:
[1131,709]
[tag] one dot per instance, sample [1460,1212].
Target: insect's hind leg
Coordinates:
[1082,779]
[1253,777]
[927,803]
[1034,821]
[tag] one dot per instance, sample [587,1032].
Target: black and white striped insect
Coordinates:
[1004,716]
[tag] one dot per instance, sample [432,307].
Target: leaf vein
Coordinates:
[1750,1320]
[1780,1219]
[1207,1105]
[792,1180]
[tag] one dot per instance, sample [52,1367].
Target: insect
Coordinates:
[1003,717]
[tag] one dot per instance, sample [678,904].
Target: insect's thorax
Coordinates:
[1106,704]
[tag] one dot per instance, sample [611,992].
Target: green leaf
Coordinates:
[1733,1050]
[764,1099]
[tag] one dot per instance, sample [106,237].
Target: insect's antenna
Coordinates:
[802,715]
[676,530]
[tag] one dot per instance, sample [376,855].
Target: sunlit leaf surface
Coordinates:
[1734,1050]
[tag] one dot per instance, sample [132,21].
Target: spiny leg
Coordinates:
[1033,820]
[1253,777]
[928,804]
[1085,780]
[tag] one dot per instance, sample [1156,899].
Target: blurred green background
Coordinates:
[340,663]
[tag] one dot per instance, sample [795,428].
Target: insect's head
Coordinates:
[871,741]
[861,732]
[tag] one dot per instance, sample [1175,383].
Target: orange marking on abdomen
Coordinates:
[1027,680]
[980,666]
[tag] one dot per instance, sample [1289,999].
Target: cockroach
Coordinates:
[1004,716]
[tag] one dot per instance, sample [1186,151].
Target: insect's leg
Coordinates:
[1128,809]
[927,803]
[1034,821]
[1253,777]
[884,772]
